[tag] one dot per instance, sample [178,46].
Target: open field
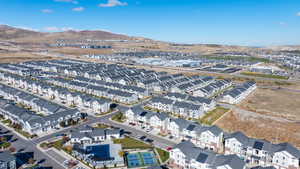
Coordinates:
[21,57]
[275,102]
[80,51]
[260,126]
[210,117]
[263,75]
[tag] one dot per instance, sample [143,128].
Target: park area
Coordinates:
[130,143]
[210,117]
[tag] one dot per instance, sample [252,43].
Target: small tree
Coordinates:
[69,149]
[3,139]
[31,161]
[121,153]
[12,149]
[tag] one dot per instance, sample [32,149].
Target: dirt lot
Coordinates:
[21,57]
[274,102]
[79,51]
[260,126]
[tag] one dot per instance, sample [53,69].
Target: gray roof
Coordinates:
[287,147]
[231,160]
[6,156]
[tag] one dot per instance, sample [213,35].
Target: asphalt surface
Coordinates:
[23,145]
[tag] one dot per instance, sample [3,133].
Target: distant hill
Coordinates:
[19,34]
[8,33]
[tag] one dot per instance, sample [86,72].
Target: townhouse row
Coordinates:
[207,104]
[178,108]
[113,73]
[253,151]
[34,123]
[182,105]
[62,95]
[212,89]
[137,81]
[104,92]
[238,93]
[186,155]
[208,137]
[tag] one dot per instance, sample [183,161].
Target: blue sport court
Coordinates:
[141,159]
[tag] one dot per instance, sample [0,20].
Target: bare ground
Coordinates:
[274,102]
[275,130]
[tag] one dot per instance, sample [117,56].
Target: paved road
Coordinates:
[23,145]
[90,120]
[157,141]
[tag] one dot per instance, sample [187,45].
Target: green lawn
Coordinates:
[24,133]
[101,125]
[130,143]
[164,155]
[57,144]
[5,145]
[7,121]
[264,75]
[119,117]
[210,117]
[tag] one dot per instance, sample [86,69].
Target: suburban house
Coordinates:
[261,152]
[187,155]
[88,135]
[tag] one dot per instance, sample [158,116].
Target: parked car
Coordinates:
[133,124]
[149,140]
[142,138]
[169,148]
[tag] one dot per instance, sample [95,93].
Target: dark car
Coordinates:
[149,140]
[142,138]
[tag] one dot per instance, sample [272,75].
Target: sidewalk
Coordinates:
[64,155]
[13,130]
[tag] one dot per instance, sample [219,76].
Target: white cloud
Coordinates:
[298,14]
[69,1]
[68,29]
[58,29]
[27,28]
[47,10]
[52,29]
[78,9]
[113,3]
[282,23]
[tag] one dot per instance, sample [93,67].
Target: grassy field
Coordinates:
[119,117]
[264,75]
[164,155]
[101,125]
[130,143]
[210,117]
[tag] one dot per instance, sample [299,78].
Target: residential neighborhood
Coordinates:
[41,98]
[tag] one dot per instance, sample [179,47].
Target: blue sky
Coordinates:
[240,22]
